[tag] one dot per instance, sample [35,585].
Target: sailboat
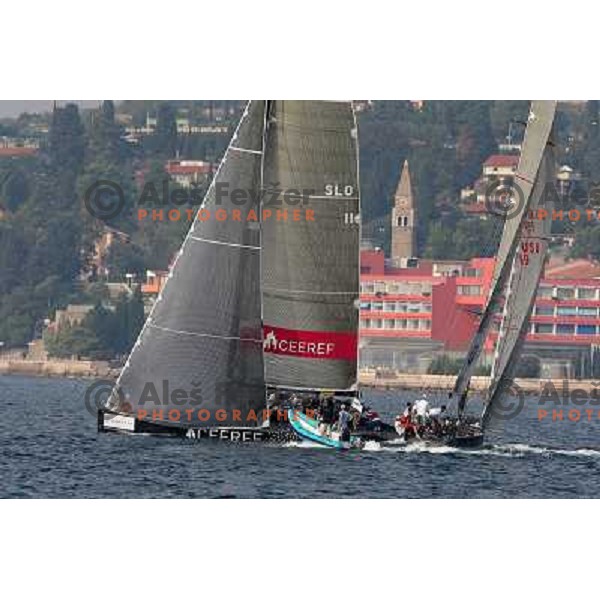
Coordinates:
[259,313]
[519,264]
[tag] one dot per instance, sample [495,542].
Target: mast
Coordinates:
[311,246]
[541,118]
[201,346]
[266,111]
[527,266]
[354,134]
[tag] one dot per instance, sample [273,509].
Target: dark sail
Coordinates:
[204,336]
[310,263]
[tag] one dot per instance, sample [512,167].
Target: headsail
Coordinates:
[311,263]
[541,118]
[527,267]
[537,133]
[201,346]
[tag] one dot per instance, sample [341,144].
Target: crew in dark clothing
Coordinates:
[327,411]
[325,415]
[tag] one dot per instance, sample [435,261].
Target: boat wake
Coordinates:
[305,444]
[505,450]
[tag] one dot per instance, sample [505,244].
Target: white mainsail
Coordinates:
[539,126]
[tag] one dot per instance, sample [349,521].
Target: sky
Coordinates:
[13,108]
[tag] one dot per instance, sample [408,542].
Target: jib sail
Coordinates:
[199,356]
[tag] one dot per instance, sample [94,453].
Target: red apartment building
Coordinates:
[409,314]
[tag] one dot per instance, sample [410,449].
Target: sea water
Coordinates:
[49,448]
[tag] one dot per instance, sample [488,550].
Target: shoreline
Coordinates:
[478,383]
[91,369]
[85,369]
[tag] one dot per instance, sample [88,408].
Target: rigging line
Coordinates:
[248,150]
[199,239]
[290,123]
[523,178]
[333,197]
[206,335]
[491,245]
[268,190]
[321,130]
[281,290]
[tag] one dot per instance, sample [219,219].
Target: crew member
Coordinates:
[420,410]
[343,424]
[435,416]
[327,410]
[437,412]
[407,426]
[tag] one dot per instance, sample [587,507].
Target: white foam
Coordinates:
[303,444]
[503,450]
[372,446]
[523,449]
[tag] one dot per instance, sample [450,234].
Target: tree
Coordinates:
[587,242]
[105,136]
[126,257]
[14,188]
[165,137]
[528,366]
[443,364]
[505,112]
[104,332]
[590,153]
[73,340]
[129,318]
[66,140]
[475,141]
[463,239]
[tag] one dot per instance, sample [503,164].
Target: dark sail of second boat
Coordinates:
[310,265]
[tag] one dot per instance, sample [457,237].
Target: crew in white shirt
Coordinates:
[420,409]
[436,412]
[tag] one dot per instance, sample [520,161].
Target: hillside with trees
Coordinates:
[47,236]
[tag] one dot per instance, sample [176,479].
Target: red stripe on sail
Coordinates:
[326,345]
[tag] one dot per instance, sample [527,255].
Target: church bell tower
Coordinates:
[403,220]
